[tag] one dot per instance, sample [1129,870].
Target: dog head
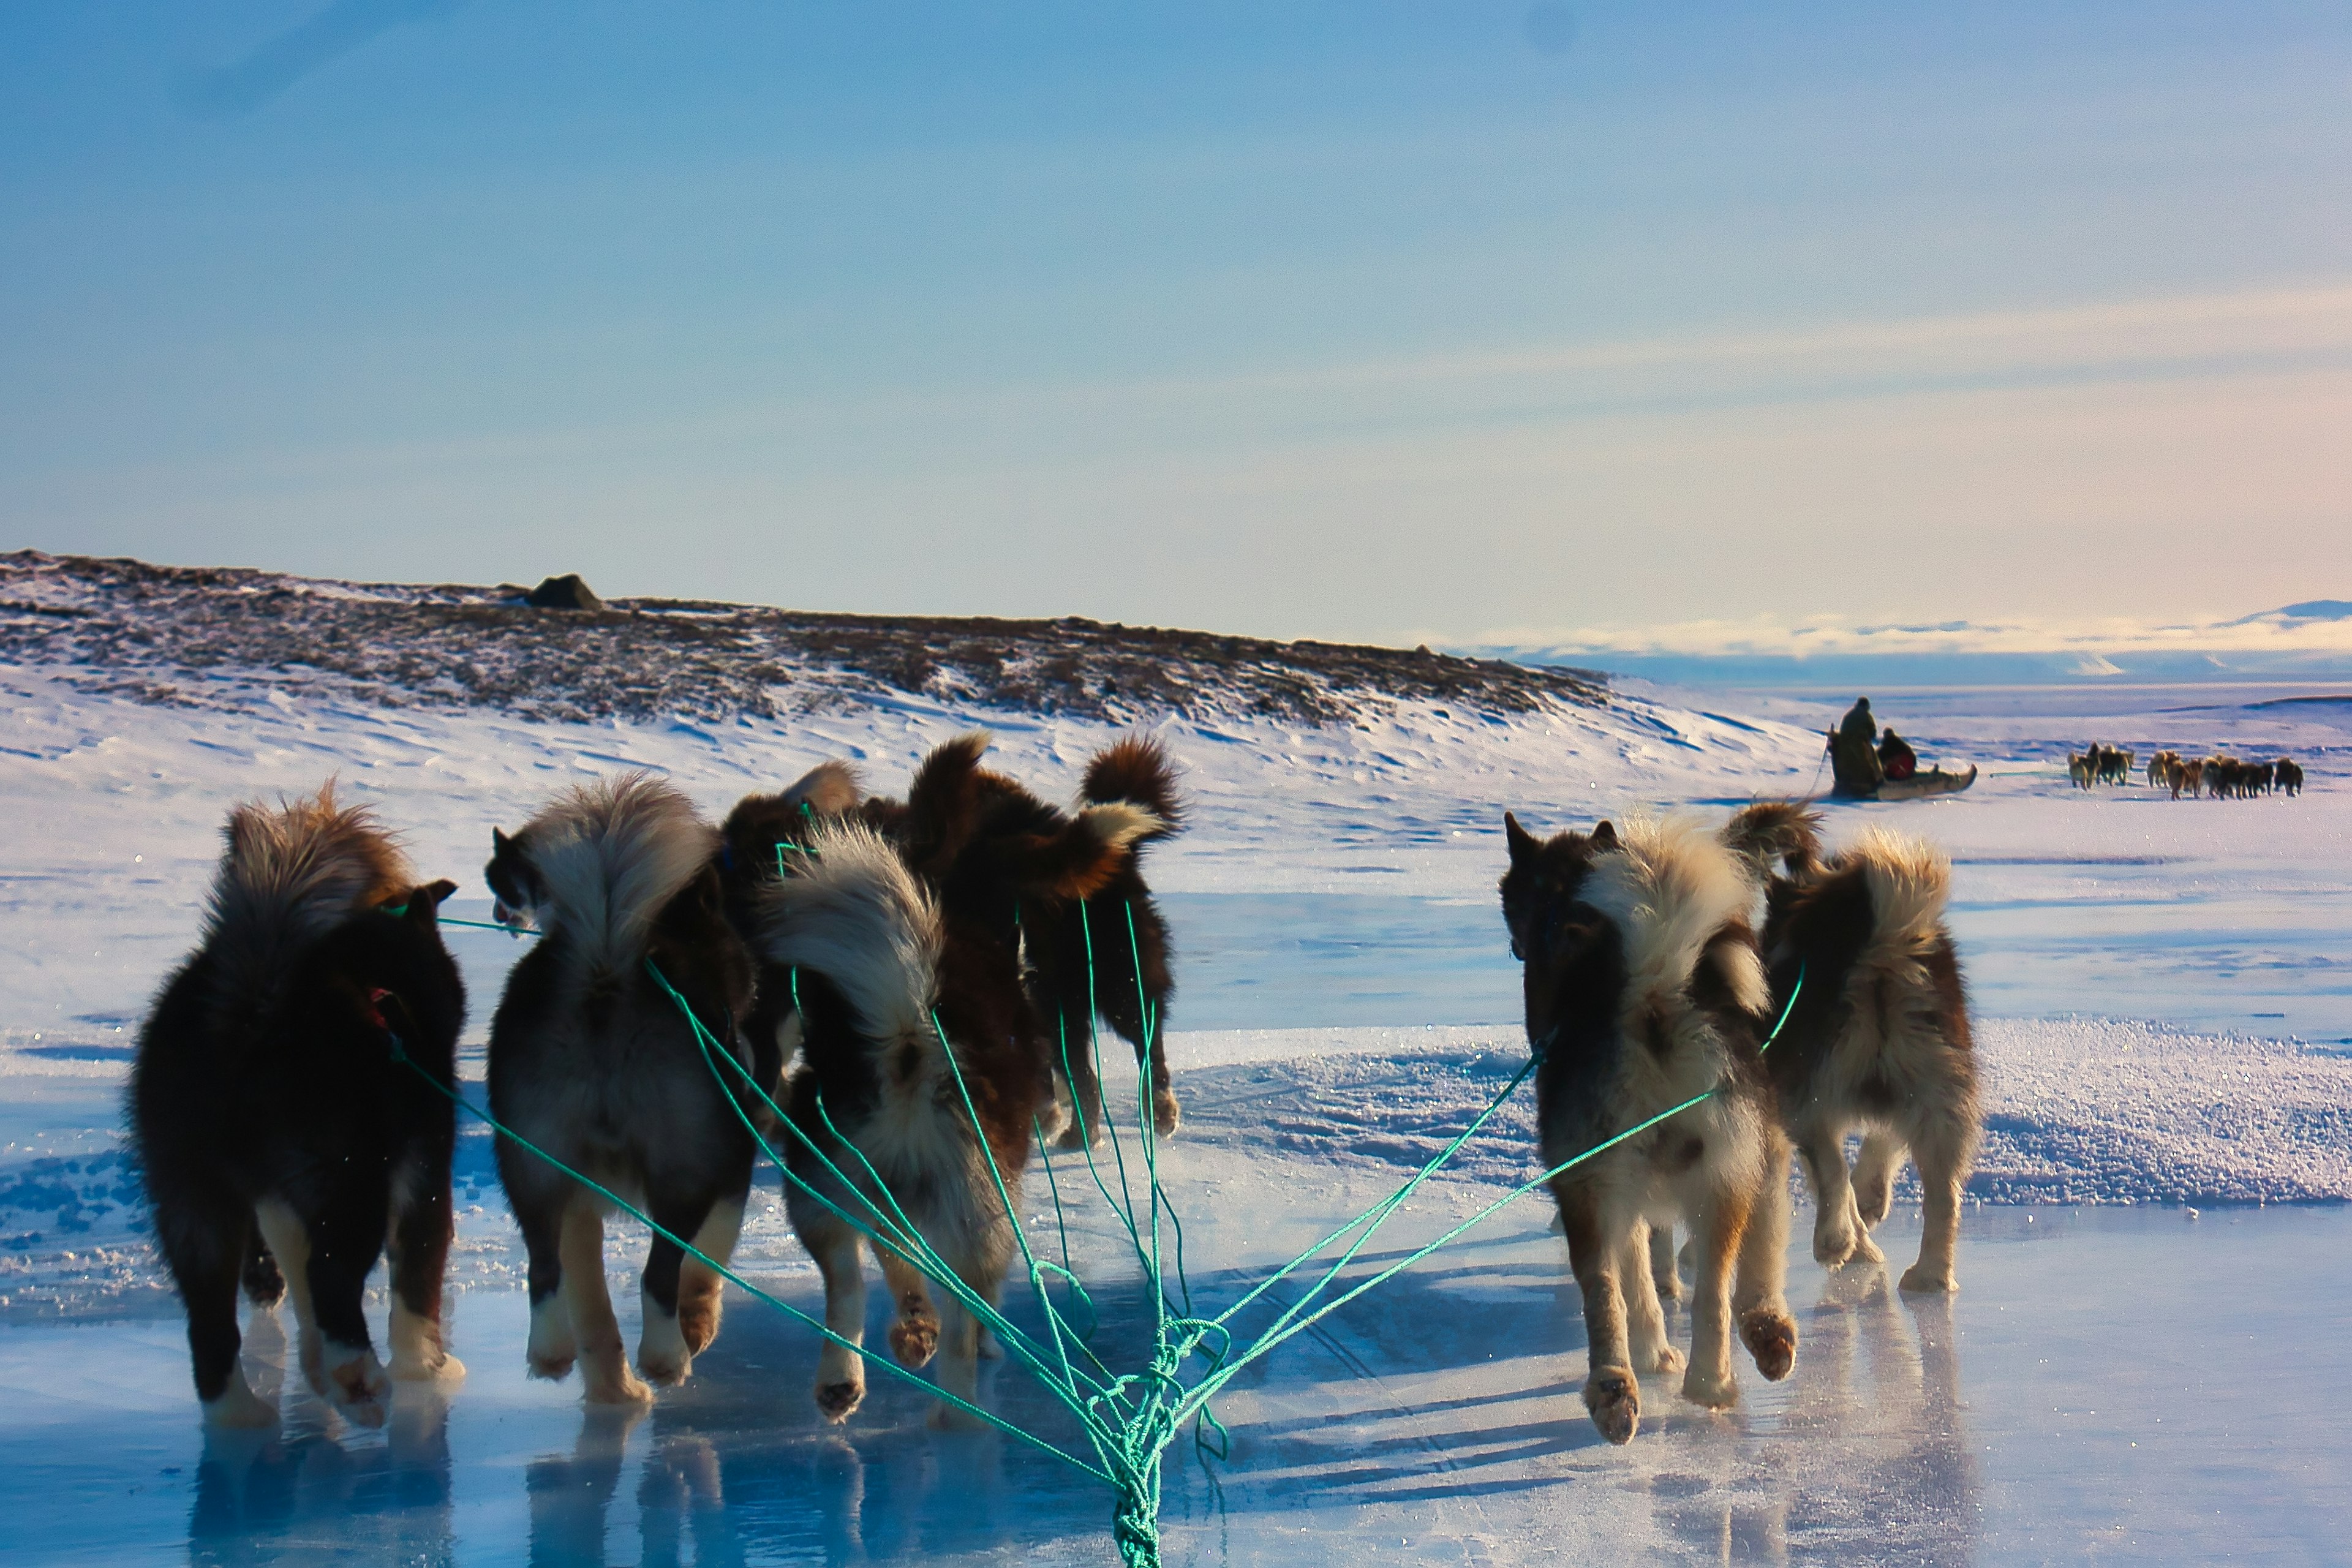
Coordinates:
[516,891]
[1563,942]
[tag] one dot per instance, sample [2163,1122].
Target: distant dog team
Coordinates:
[2218,777]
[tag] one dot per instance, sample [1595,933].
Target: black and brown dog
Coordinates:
[281,1142]
[1644,990]
[592,1060]
[1877,1033]
[912,997]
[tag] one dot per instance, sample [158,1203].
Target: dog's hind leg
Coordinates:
[604,1361]
[1076,1044]
[1663,1276]
[1945,1146]
[345,1241]
[958,1372]
[1720,1225]
[418,1243]
[840,1370]
[553,1348]
[1645,1320]
[700,1297]
[265,1287]
[1838,1235]
[1874,1176]
[915,1331]
[1759,1299]
[1611,1394]
[288,1239]
[206,1251]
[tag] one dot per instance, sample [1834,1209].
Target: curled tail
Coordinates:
[290,875]
[1137,771]
[852,911]
[1910,884]
[608,857]
[1775,830]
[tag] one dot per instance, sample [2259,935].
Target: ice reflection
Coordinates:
[311,1490]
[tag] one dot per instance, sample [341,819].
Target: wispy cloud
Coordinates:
[2317,627]
[269,68]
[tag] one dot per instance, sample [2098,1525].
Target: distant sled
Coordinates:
[1935,780]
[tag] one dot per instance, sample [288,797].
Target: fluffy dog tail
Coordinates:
[1672,893]
[852,911]
[1910,883]
[609,855]
[1137,770]
[1775,830]
[828,789]
[289,875]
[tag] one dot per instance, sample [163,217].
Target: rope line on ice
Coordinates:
[1129,1419]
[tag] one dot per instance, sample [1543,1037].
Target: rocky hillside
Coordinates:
[205,635]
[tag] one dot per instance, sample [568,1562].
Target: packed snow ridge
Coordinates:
[177,635]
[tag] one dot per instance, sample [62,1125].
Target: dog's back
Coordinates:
[265,1093]
[1877,1036]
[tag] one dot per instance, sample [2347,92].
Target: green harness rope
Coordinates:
[1128,1419]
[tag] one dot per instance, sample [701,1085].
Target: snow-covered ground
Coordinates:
[2165,1019]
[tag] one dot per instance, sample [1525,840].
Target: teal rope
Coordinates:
[1129,1420]
[401,1056]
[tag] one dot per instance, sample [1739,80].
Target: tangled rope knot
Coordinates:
[1129,1419]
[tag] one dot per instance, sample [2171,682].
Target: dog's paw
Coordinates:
[989,1349]
[667,1366]
[1929,1280]
[1865,1250]
[1670,1287]
[621,1387]
[915,1340]
[1771,1336]
[358,1386]
[834,1401]
[698,1320]
[433,1366]
[550,1349]
[239,1409]
[1074,1135]
[1667,1359]
[946,1418]
[1165,1115]
[1712,1390]
[1833,1244]
[1615,1401]
[1870,1204]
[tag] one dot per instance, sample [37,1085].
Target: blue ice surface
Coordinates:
[2105,1384]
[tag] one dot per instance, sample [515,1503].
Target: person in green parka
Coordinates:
[1853,752]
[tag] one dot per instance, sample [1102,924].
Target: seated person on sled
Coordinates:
[1865,762]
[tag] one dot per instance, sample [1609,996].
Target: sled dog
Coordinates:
[279,1140]
[1644,989]
[591,1060]
[912,998]
[1877,1037]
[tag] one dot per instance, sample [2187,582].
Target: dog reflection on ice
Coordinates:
[1872,1460]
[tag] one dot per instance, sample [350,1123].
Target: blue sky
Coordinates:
[1461,321]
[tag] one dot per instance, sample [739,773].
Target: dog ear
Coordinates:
[425,901]
[1523,843]
[1603,836]
[500,842]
